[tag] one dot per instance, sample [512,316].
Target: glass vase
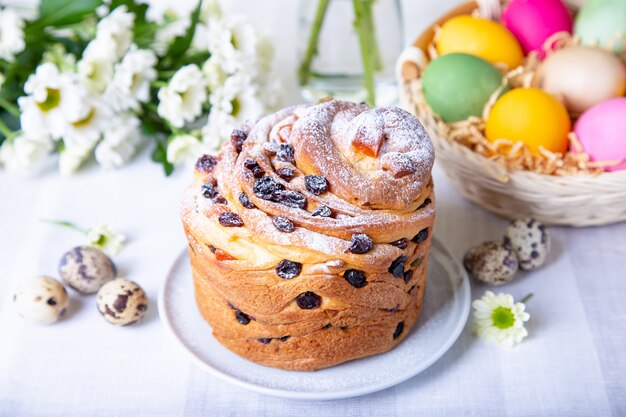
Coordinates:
[348,49]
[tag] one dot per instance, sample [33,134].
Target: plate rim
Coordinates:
[463,289]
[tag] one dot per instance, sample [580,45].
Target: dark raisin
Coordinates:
[308,300]
[208,190]
[316,184]
[400,243]
[245,201]
[283,339]
[253,166]
[51,301]
[242,318]
[425,203]
[286,173]
[283,224]
[230,219]
[218,199]
[205,164]
[322,211]
[355,277]
[421,236]
[237,138]
[265,340]
[327,326]
[399,330]
[266,188]
[286,153]
[293,199]
[397,266]
[360,244]
[287,269]
[407,276]
[212,248]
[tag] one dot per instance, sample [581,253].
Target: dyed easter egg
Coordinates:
[534,21]
[457,86]
[481,37]
[602,22]
[601,131]
[582,77]
[531,116]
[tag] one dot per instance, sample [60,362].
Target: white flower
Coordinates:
[52,95]
[181,148]
[25,153]
[131,82]
[233,43]
[237,97]
[95,69]
[120,142]
[161,11]
[105,238]
[11,34]
[118,27]
[215,132]
[498,319]
[210,9]
[71,158]
[181,100]
[86,123]
[214,74]
[168,31]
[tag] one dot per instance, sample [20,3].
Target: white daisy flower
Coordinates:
[25,153]
[71,158]
[120,142]
[216,130]
[181,148]
[237,97]
[117,26]
[131,82]
[11,34]
[95,69]
[213,73]
[181,100]
[105,238]
[166,33]
[233,42]
[210,9]
[499,320]
[87,123]
[161,11]
[51,95]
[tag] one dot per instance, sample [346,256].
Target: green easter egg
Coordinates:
[603,23]
[457,86]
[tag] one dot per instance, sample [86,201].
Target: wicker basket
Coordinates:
[573,200]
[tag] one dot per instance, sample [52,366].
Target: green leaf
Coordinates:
[181,43]
[60,13]
[160,155]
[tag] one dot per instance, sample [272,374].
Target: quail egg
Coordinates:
[85,269]
[122,302]
[491,263]
[43,300]
[530,241]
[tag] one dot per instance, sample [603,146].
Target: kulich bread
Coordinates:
[309,234]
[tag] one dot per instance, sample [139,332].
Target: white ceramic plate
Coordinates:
[447,305]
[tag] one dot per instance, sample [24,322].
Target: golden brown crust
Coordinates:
[236,249]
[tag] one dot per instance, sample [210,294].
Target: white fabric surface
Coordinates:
[573,363]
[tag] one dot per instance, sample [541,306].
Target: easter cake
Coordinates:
[309,234]
[526,99]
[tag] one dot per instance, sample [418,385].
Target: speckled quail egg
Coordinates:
[85,269]
[491,263]
[530,241]
[122,302]
[43,300]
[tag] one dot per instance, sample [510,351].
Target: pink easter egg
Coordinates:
[534,21]
[601,131]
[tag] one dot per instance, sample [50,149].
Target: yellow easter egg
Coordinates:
[531,116]
[481,37]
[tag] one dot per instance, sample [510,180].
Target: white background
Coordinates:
[573,362]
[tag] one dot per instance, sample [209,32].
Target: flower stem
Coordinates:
[528,297]
[366,45]
[304,71]
[4,129]
[65,224]
[371,29]
[9,107]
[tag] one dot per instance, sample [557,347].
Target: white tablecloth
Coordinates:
[572,364]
